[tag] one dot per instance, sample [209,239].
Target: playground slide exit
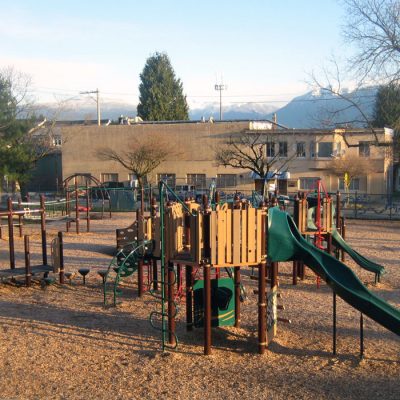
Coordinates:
[285,243]
[362,261]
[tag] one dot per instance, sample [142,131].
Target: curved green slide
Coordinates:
[362,261]
[285,243]
[338,240]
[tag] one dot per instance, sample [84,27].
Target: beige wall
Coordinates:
[195,144]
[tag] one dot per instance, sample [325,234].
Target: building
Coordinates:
[307,154]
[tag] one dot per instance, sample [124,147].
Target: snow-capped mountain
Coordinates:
[311,110]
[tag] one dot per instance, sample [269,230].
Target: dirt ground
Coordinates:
[61,343]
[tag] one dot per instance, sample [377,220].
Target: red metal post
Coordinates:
[87,209]
[68,208]
[189,297]
[28,273]
[295,268]
[11,233]
[43,228]
[140,278]
[155,275]
[76,207]
[61,248]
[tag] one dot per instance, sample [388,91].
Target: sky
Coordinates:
[263,50]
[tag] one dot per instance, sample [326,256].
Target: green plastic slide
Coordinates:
[285,243]
[362,261]
[338,240]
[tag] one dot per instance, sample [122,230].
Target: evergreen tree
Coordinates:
[387,106]
[23,141]
[161,92]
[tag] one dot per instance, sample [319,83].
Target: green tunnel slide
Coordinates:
[285,243]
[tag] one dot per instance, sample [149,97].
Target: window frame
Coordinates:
[309,185]
[225,176]
[283,144]
[270,149]
[304,149]
[319,149]
[110,176]
[170,178]
[195,182]
[366,145]
[352,183]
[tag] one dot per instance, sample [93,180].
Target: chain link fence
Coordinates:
[354,205]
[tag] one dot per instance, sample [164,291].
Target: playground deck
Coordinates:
[114,353]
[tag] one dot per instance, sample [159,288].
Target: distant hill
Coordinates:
[311,110]
[236,111]
[324,110]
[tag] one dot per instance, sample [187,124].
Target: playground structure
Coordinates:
[28,270]
[79,199]
[201,240]
[195,240]
[317,217]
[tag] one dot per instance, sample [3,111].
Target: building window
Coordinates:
[339,149]
[325,149]
[354,184]
[364,149]
[282,149]
[307,183]
[197,180]
[134,181]
[301,149]
[109,177]
[312,149]
[270,149]
[226,180]
[169,179]
[57,141]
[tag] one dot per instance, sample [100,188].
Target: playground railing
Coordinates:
[359,205]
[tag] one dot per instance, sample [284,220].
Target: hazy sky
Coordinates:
[262,48]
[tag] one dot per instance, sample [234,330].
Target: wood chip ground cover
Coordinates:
[61,343]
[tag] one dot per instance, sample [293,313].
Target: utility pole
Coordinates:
[97,100]
[220,87]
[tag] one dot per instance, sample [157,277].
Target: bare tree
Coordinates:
[256,152]
[352,166]
[141,157]
[348,168]
[334,117]
[373,26]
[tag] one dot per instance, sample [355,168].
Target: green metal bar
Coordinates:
[162,183]
[161,191]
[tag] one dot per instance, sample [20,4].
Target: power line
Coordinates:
[278,99]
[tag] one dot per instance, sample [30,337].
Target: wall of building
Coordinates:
[195,144]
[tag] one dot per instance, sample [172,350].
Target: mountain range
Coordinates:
[311,110]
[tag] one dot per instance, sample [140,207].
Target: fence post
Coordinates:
[355,205]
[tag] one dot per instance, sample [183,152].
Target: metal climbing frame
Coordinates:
[124,264]
[167,280]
